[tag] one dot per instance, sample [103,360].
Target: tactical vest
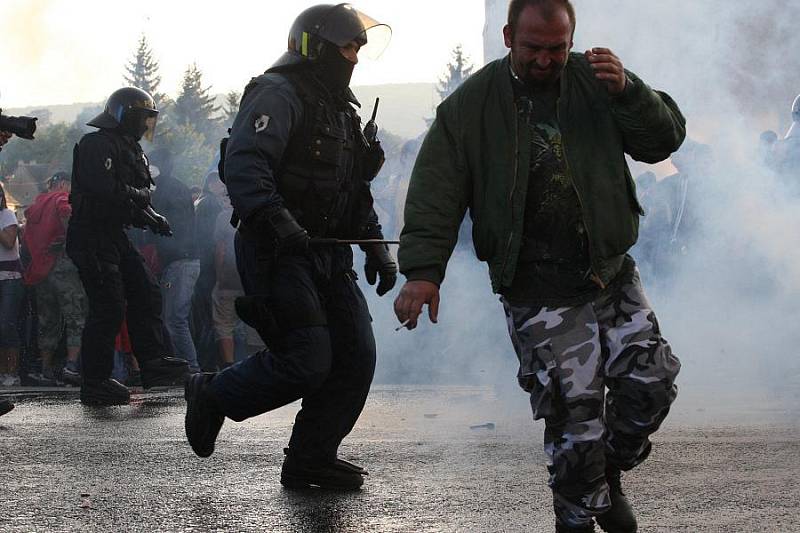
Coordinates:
[131,168]
[318,170]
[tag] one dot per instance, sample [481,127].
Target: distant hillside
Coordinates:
[59,113]
[404,106]
[403,109]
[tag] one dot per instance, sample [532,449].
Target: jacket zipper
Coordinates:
[578,194]
[513,187]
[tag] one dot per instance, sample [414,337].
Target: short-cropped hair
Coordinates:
[548,7]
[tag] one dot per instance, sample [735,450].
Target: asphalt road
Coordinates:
[730,468]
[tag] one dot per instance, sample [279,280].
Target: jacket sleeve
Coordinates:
[437,200]
[369,226]
[260,134]
[651,123]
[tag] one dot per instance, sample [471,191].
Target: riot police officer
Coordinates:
[110,192]
[297,168]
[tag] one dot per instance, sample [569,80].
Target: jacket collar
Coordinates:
[505,78]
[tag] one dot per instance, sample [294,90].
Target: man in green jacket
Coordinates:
[534,146]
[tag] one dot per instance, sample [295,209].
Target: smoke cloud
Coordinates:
[729,306]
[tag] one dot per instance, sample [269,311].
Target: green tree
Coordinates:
[52,146]
[193,155]
[458,70]
[195,105]
[142,71]
[231,107]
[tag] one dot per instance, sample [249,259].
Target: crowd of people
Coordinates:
[43,305]
[673,223]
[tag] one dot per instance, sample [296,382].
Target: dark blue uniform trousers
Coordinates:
[323,350]
[119,286]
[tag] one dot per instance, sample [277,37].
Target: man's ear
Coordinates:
[507,35]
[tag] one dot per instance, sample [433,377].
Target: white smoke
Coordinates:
[730,310]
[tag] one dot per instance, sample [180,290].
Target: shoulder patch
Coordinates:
[261,123]
[109,164]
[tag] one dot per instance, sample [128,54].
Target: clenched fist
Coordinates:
[609,69]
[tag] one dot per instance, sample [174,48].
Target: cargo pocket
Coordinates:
[537,374]
[327,146]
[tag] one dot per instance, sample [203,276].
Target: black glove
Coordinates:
[140,197]
[292,238]
[158,224]
[380,263]
[373,160]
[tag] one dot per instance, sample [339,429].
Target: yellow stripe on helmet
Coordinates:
[304,45]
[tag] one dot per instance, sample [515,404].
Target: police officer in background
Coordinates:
[110,192]
[297,168]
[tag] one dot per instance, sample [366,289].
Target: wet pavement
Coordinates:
[65,467]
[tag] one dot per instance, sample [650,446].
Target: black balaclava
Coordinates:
[333,69]
[132,124]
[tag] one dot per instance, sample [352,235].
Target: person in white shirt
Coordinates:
[11,293]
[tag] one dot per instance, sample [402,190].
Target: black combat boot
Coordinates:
[203,420]
[104,392]
[304,473]
[5,406]
[164,372]
[561,528]
[620,518]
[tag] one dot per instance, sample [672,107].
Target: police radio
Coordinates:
[371,128]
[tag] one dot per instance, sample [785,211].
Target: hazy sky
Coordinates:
[66,51]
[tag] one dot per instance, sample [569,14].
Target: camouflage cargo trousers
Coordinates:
[568,358]
[61,305]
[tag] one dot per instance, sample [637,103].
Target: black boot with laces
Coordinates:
[620,518]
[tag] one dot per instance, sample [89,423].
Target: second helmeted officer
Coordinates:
[110,192]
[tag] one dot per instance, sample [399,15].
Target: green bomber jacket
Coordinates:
[477,153]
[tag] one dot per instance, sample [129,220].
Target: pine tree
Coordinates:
[195,105]
[231,107]
[458,70]
[193,155]
[142,71]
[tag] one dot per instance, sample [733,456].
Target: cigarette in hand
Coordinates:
[404,324]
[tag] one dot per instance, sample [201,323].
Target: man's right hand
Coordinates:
[413,295]
[292,238]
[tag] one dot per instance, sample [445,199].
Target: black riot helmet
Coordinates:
[337,25]
[130,110]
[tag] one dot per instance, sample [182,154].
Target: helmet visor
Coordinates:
[344,24]
[378,38]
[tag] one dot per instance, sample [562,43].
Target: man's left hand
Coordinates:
[373,160]
[161,226]
[608,69]
[380,264]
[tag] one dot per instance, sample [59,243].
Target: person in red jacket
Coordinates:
[60,299]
